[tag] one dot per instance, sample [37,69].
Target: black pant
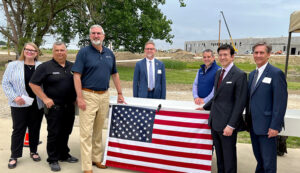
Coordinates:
[60,120]
[22,118]
[225,151]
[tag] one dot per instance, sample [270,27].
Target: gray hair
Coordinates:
[209,50]
[268,46]
[150,42]
[58,43]
[96,26]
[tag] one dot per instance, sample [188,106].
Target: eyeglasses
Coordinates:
[97,33]
[149,48]
[30,50]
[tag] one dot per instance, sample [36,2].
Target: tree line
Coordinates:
[127,23]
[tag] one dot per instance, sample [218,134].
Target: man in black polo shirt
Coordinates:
[92,70]
[58,95]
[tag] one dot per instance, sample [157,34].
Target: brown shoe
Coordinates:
[99,165]
[89,171]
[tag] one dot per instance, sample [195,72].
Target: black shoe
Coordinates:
[54,166]
[70,159]
[37,158]
[12,166]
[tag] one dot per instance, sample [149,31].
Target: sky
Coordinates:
[199,20]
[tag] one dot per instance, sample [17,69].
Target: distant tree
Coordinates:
[2,42]
[129,23]
[30,20]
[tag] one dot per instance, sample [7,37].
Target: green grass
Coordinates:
[185,76]
[292,142]
[173,64]
[294,85]
[126,73]
[246,66]
[173,76]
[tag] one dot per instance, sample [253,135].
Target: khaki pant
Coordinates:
[91,124]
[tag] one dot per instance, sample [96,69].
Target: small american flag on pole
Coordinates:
[168,141]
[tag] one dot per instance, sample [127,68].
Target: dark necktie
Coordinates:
[221,78]
[254,81]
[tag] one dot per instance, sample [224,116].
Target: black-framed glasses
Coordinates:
[30,50]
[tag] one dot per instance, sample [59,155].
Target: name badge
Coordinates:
[55,73]
[159,71]
[229,82]
[267,80]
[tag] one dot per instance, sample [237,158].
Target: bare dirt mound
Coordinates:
[127,56]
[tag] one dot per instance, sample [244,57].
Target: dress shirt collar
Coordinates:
[227,69]
[150,60]
[262,68]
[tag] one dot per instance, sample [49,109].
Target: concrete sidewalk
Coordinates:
[246,161]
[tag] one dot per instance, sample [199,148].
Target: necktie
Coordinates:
[151,83]
[254,81]
[221,78]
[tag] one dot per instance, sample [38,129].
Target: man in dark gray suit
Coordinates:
[226,108]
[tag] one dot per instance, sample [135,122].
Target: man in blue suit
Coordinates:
[266,108]
[149,80]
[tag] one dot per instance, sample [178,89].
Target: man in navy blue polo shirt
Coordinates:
[204,81]
[92,70]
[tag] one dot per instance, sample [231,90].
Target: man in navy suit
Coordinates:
[149,80]
[226,108]
[266,108]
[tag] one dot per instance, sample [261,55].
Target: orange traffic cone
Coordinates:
[26,140]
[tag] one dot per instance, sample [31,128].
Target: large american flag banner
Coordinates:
[142,139]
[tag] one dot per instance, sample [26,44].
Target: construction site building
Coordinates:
[244,45]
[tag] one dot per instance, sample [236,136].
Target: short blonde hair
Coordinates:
[22,57]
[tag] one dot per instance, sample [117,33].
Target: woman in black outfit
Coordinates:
[15,84]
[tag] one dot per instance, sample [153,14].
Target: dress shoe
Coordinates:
[54,166]
[13,165]
[70,159]
[99,165]
[89,171]
[35,157]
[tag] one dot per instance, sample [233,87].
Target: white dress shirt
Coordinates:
[260,71]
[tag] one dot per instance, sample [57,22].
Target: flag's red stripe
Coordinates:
[160,151]
[184,114]
[181,124]
[182,144]
[137,168]
[159,161]
[182,134]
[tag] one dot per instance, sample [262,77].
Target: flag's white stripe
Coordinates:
[180,119]
[156,165]
[160,146]
[160,156]
[182,129]
[182,139]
